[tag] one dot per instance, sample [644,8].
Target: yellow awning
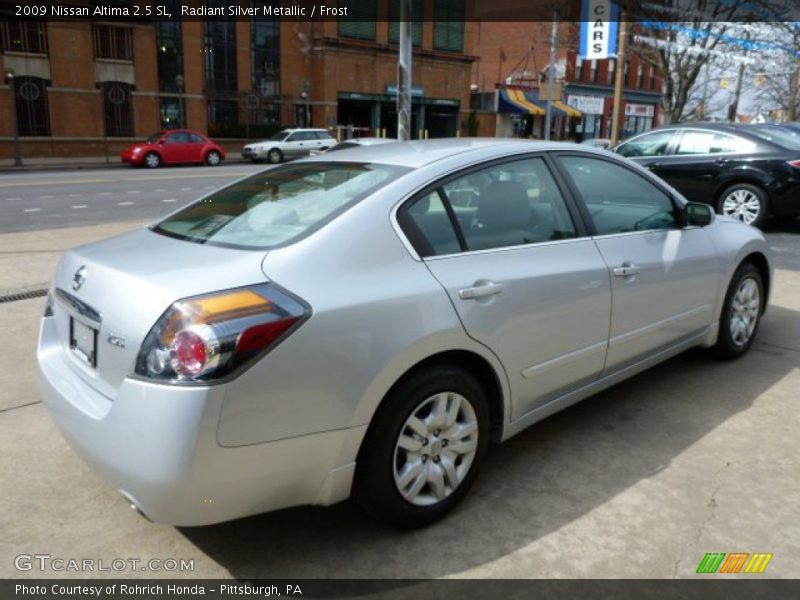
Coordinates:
[566,108]
[518,98]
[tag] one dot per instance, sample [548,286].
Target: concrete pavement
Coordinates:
[693,456]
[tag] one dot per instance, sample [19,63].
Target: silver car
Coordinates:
[364,323]
[289,143]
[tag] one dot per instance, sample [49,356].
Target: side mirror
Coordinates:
[698,214]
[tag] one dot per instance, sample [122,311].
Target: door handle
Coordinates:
[626,270]
[481,290]
[652,166]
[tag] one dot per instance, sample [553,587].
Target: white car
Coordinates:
[289,143]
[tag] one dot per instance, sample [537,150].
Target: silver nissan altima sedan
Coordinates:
[364,323]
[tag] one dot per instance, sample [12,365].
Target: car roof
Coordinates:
[419,153]
[293,129]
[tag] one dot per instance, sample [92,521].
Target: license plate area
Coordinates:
[83,341]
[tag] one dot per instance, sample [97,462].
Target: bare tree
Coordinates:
[778,77]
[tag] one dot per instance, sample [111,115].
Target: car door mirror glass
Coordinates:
[698,215]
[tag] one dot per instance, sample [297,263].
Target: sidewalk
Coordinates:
[28,259]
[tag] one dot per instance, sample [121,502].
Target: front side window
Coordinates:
[619,200]
[279,206]
[650,144]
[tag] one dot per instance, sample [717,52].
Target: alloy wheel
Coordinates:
[435,449]
[745,310]
[742,204]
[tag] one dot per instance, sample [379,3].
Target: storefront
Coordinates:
[521,114]
[640,110]
[376,114]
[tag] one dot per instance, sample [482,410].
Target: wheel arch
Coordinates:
[760,262]
[749,179]
[471,361]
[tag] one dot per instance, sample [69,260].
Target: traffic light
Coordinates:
[761,79]
[723,83]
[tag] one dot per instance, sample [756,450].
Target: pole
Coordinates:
[551,76]
[404,74]
[619,84]
[12,82]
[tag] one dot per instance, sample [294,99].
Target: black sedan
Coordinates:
[745,171]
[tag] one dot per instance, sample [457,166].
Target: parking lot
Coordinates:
[641,481]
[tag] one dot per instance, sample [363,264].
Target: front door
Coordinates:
[521,276]
[664,277]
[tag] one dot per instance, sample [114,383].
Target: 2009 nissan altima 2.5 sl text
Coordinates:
[363,323]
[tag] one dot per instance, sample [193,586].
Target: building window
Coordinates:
[171,112]
[112,42]
[417,17]
[33,115]
[578,67]
[117,109]
[360,22]
[220,52]
[223,115]
[448,29]
[640,76]
[170,49]
[24,36]
[266,45]
[593,70]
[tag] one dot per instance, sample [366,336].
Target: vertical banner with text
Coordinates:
[599,29]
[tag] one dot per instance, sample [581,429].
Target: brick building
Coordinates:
[513,62]
[87,88]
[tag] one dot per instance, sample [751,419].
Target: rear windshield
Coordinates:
[787,138]
[278,206]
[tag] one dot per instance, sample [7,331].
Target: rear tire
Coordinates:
[152,160]
[424,447]
[745,202]
[741,313]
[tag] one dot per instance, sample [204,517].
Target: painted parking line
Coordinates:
[79,206]
[76,195]
[45,197]
[186,189]
[172,177]
[32,210]
[134,192]
[170,200]
[12,199]
[105,193]
[125,203]
[159,191]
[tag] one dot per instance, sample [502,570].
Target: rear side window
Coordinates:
[279,206]
[322,135]
[505,205]
[618,199]
[711,142]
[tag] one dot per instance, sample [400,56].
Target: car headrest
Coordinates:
[504,205]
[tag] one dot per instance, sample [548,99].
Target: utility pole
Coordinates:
[551,75]
[404,74]
[619,83]
[10,79]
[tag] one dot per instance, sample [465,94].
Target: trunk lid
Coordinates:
[127,283]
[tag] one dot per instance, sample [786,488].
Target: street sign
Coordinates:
[599,29]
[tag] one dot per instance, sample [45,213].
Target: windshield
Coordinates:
[154,138]
[277,137]
[777,135]
[278,206]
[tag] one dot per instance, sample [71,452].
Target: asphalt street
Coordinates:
[34,200]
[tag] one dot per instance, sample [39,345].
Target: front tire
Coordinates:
[424,447]
[741,313]
[152,160]
[275,156]
[213,158]
[745,202]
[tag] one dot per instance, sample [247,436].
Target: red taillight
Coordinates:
[209,337]
[794,163]
[189,353]
[260,336]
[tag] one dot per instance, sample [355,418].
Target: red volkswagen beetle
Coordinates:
[172,147]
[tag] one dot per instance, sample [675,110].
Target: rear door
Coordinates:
[664,277]
[525,280]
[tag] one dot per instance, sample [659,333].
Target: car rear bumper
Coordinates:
[157,444]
